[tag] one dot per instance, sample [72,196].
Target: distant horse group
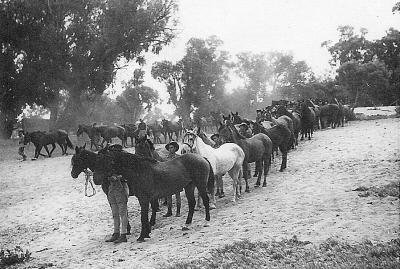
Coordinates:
[43,139]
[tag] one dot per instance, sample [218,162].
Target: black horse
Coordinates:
[151,180]
[257,149]
[170,128]
[132,131]
[42,139]
[280,136]
[145,148]
[296,118]
[109,132]
[84,159]
[156,130]
[307,121]
[92,133]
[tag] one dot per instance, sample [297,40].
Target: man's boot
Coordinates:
[114,237]
[122,238]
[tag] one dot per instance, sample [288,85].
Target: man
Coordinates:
[259,117]
[21,149]
[220,184]
[142,129]
[172,148]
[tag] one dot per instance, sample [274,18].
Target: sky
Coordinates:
[295,26]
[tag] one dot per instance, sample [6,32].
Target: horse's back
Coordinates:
[227,156]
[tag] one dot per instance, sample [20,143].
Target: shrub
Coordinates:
[13,256]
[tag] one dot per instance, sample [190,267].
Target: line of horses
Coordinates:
[277,127]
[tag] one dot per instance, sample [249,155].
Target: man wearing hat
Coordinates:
[21,149]
[172,148]
[244,130]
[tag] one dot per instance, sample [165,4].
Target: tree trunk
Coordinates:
[356,100]
[53,116]
[6,125]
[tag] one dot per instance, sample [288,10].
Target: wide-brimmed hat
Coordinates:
[176,145]
[214,135]
[244,124]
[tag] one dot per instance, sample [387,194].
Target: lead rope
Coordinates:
[88,180]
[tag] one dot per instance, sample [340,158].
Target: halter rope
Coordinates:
[88,180]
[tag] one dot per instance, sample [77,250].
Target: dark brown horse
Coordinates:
[170,128]
[155,130]
[92,133]
[42,139]
[296,118]
[257,149]
[109,132]
[280,136]
[84,159]
[131,130]
[307,121]
[151,180]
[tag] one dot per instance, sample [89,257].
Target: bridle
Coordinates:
[190,141]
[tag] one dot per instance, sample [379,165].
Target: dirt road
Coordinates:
[44,210]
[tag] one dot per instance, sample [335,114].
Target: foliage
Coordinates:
[13,256]
[198,80]
[292,253]
[391,189]
[367,83]
[74,45]
[135,99]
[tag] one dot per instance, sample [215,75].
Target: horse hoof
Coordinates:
[257,185]
[247,190]
[185,228]
[140,240]
[167,215]
[265,185]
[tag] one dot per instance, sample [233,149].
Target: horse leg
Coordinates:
[246,175]
[206,203]
[53,147]
[258,166]
[267,164]
[154,205]
[284,158]
[234,174]
[144,217]
[189,191]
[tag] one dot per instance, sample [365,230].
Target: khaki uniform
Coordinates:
[118,193]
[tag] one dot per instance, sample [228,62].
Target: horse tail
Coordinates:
[69,143]
[211,179]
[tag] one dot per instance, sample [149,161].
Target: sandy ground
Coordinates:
[44,210]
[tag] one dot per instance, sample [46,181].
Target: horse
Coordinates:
[42,139]
[151,180]
[280,136]
[307,121]
[109,132]
[170,128]
[228,158]
[131,130]
[257,149]
[296,118]
[329,115]
[282,120]
[156,131]
[84,159]
[92,133]
[144,147]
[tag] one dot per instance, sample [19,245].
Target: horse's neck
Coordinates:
[202,147]
[91,161]
[237,138]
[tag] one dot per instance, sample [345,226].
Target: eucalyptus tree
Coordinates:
[75,46]
[196,82]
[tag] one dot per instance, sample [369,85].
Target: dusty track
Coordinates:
[44,210]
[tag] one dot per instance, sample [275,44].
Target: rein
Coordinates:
[88,180]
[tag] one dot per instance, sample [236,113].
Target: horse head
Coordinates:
[80,130]
[144,147]
[188,142]
[80,161]
[225,132]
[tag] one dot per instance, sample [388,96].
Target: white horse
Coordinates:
[228,158]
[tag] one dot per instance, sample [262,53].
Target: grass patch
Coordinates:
[391,189]
[293,253]
[13,256]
